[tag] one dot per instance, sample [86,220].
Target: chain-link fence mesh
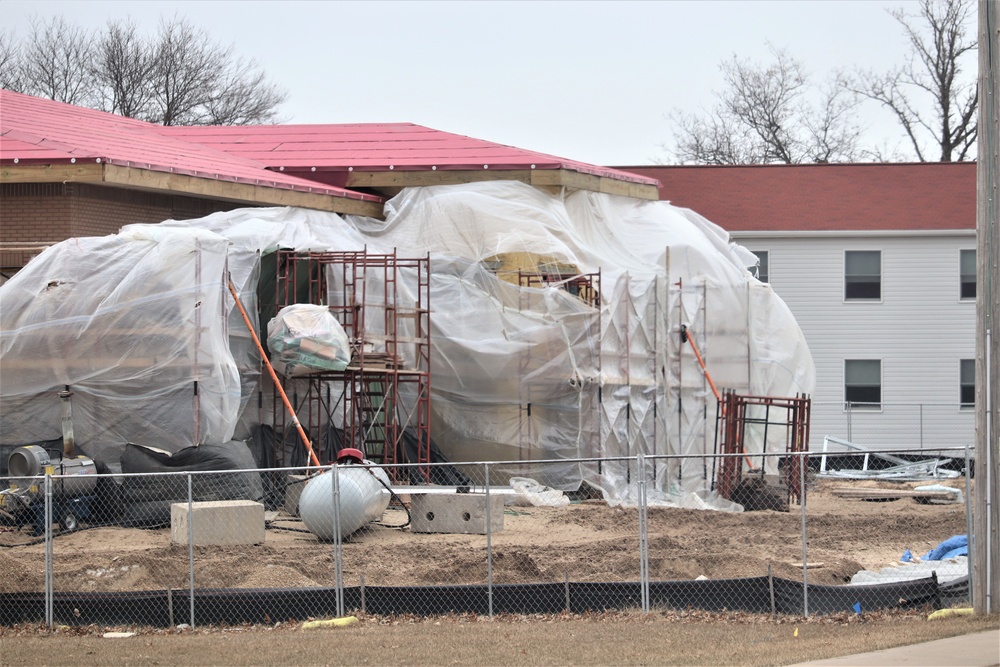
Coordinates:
[257,546]
[907,427]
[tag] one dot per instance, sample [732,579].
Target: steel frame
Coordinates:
[361,289]
[584,286]
[732,417]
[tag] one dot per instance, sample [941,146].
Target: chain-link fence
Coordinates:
[257,546]
[927,427]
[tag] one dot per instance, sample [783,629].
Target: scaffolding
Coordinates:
[773,417]
[587,288]
[382,398]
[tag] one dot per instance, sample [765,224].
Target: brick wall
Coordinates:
[50,212]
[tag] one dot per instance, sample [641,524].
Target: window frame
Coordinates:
[962,296]
[766,262]
[962,385]
[848,282]
[872,406]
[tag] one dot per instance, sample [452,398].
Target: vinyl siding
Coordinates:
[920,329]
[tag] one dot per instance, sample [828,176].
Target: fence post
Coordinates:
[968,520]
[49,565]
[338,543]
[640,465]
[191,546]
[770,590]
[489,542]
[850,437]
[921,407]
[805,562]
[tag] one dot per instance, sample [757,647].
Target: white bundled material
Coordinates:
[954,499]
[530,492]
[305,338]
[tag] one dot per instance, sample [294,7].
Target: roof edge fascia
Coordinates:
[834,233]
[538,177]
[152,180]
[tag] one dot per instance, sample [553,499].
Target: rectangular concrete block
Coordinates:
[218,522]
[460,513]
[293,489]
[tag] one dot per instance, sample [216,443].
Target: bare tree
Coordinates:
[122,68]
[244,97]
[10,63]
[177,77]
[186,68]
[764,115]
[56,62]
[198,82]
[932,76]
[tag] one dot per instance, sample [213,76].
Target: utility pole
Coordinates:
[985,549]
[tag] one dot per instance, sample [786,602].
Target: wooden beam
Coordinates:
[579,181]
[860,493]
[243,193]
[405,179]
[542,178]
[52,173]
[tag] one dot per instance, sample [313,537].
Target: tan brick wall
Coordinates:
[51,212]
[34,212]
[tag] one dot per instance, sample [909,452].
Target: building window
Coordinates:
[863,383]
[967,383]
[762,272]
[863,274]
[967,273]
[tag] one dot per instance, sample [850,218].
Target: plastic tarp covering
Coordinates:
[518,373]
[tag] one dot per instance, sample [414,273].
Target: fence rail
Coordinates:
[225,547]
[895,426]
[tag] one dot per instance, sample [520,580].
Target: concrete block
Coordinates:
[460,513]
[218,522]
[293,489]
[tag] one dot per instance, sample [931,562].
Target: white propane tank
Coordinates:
[362,498]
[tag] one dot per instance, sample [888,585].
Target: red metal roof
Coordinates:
[378,147]
[825,197]
[39,131]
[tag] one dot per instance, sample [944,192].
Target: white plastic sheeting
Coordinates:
[517,373]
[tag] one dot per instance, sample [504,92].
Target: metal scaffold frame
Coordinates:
[789,415]
[587,288]
[384,393]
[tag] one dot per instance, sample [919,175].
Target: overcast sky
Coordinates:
[591,81]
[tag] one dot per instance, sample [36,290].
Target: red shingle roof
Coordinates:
[378,147]
[825,197]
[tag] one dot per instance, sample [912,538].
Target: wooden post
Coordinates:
[985,548]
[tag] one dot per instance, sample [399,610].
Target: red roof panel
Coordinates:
[378,147]
[34,130]
[825,197]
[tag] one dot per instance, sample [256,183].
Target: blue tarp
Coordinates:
[957,545]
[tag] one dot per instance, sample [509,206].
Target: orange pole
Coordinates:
[708,376]
[704,370]
[274,376]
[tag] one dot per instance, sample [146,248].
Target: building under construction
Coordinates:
[552,312]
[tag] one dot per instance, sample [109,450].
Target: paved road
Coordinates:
[978,650]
